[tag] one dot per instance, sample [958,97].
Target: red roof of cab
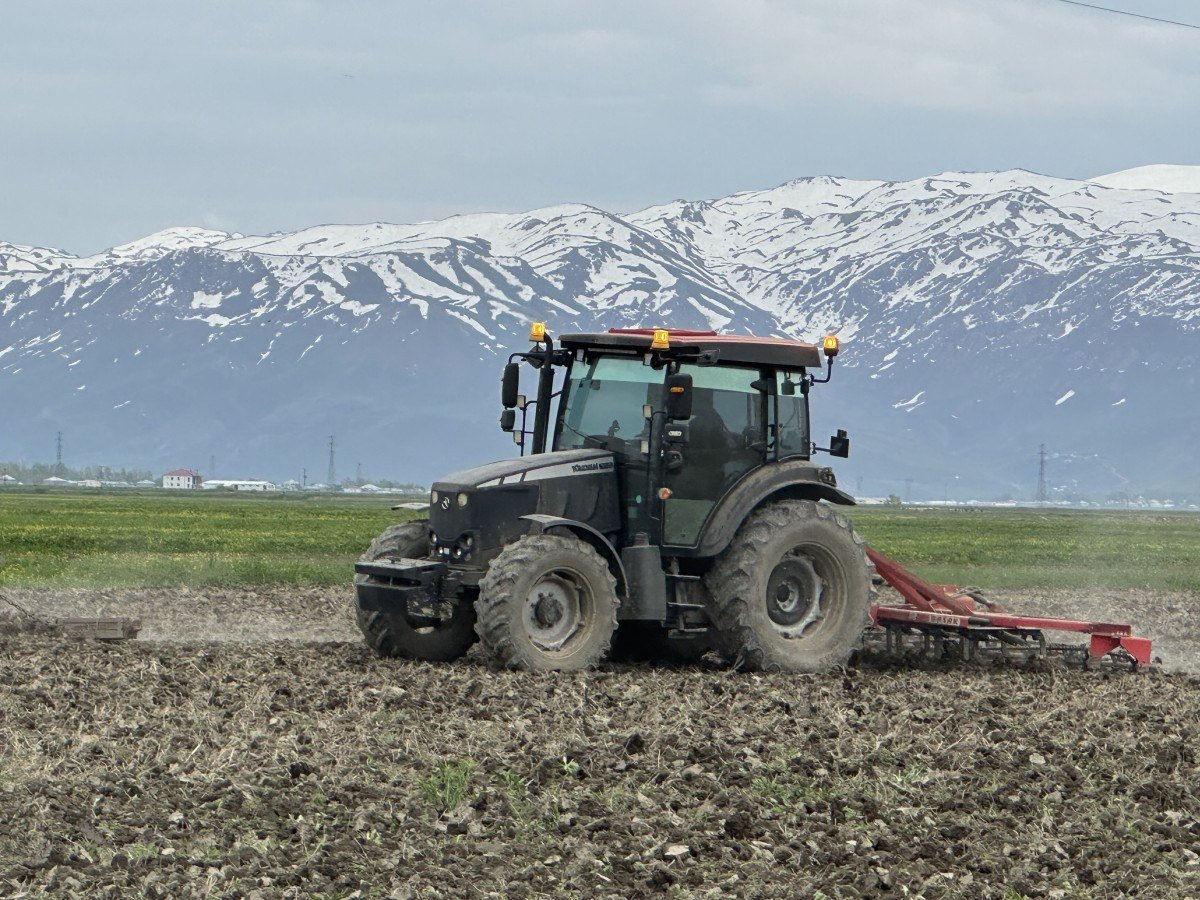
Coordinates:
[679,332]
[732,348]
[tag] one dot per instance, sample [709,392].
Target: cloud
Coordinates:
[126,118]
[1003,56]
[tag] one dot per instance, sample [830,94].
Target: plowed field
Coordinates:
[177,766]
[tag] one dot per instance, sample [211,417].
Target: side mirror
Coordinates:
[508,420]
[509,385]
[839,444]
[679,397]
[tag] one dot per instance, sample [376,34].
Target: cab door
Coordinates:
[604,408]
[727,437]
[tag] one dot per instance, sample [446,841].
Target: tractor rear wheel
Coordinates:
[547,603]
[393,634]
[793,589]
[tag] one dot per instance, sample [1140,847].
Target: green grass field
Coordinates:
[98,540]
[113,539]
[1028,548]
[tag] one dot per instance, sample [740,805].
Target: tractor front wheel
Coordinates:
[793,589]
[547,603]
[393,634]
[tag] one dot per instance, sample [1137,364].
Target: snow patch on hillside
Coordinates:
[1168,179]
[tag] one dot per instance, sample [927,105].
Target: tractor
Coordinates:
[665,499]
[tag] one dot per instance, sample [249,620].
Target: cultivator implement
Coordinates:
[100,629]
[943,622]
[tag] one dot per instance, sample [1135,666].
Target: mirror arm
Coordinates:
[828,373]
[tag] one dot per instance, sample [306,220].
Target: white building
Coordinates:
[184,479]
[7,480]
[243,485]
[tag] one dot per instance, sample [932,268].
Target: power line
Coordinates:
[1132,15]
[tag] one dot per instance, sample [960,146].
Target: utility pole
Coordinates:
[332,478]
[59,468]
[1041,490]
[358,474]
[304,477]
[908,490]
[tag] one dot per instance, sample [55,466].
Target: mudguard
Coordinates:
[795,479]
[584,532]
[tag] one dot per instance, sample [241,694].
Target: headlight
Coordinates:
[462,500]
[433,498]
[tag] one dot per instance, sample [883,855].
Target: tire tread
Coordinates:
[500,588]
[732,582]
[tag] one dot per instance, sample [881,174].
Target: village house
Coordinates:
[182,479]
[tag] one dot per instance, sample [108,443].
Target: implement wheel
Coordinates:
[392,634]
[793,589]
[547,603]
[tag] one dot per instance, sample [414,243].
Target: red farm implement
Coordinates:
[946,622]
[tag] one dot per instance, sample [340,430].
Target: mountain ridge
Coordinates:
[941,287]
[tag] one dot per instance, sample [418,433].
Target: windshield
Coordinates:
[607,403]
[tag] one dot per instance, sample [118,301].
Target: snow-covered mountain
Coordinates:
[982,314]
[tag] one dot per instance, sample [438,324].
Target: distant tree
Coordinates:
[36,473]
[894,500]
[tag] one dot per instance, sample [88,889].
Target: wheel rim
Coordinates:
[806,588]
[557,611]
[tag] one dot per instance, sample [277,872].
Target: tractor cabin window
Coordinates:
[793,418]
[727,438]
[604,407]
[604,411]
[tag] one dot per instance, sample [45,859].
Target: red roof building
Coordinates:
[182,479]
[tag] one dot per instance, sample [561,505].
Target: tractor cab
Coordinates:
[718,408]
[686,414]
[651,461]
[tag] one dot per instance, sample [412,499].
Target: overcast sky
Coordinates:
[120,119]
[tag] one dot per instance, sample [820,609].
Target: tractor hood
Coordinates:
[477,512]
[521,469]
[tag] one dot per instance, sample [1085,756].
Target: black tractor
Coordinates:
[665,502]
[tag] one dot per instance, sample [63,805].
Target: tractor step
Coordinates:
[675,606]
